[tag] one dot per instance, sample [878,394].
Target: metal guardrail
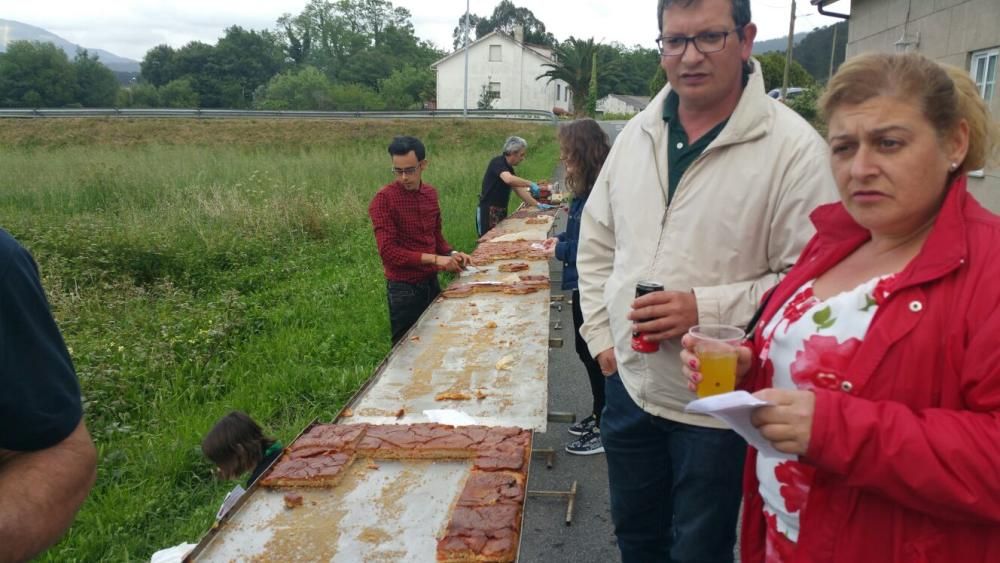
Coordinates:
[524,115]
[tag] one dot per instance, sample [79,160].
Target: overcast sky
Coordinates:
[130,28]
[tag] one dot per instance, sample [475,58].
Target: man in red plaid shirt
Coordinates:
[407,221]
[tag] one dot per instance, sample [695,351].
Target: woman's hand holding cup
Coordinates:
[691,366]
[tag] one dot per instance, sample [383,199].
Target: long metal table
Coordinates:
[492,347]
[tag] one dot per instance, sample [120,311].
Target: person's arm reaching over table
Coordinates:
[523,188]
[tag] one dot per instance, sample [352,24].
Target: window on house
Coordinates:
[558,91]
[984,72]
[494,90]
[495,53]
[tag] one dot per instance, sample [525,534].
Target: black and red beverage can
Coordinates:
[640,344]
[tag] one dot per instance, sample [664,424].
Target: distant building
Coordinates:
[964,33]
[622,104]
[508,69]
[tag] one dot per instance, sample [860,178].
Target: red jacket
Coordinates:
[907,452]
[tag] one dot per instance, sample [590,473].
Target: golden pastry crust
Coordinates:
[318,471]
[513,267]
[484,524]
[525,284]
[488,252]
[452,396]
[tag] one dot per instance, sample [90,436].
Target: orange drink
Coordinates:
[717,348]
[718,373]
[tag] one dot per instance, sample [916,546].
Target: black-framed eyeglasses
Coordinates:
[705,43]
[410,171]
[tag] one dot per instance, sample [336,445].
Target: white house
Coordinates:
[507,68]
[622,104]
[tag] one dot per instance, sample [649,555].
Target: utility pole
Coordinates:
[465,93]
[833,52]
[788,53]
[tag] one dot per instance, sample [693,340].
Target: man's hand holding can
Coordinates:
[639,342]
[659,315]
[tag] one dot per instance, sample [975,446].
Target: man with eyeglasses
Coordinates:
[707,192]
[499,180]
[407,221]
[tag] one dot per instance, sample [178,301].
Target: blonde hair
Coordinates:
[945,94]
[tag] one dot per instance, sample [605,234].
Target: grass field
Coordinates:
[196,267]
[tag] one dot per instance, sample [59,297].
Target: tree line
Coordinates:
[41,74]
[344,55]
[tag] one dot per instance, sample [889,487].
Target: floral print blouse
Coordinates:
[809,344]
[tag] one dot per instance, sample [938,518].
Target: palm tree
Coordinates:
[574,59]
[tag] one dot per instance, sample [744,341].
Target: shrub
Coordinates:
[805,104]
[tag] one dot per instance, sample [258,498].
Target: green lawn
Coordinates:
[200,266]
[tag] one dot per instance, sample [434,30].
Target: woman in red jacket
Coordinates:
[880,351]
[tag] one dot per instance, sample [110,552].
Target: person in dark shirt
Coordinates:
[498,181]
[237,445]
[47,459]
[406,218]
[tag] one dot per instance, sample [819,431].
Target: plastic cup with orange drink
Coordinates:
[717,348]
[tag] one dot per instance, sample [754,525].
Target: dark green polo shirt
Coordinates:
[680,153]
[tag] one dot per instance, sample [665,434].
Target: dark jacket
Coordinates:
[269,454]
[568,240]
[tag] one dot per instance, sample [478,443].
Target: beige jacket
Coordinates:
[739,218]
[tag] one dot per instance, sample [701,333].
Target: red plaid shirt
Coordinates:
[407,224]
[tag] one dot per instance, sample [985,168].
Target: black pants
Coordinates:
[593,368]
[488,216]
[407,301]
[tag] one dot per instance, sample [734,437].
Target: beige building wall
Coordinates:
[948,31]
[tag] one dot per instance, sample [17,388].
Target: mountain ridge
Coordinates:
[11,30]
[777,44]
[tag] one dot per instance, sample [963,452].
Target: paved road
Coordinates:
[612,128]
[547,538]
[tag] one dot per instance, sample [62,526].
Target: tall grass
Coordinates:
[196,267]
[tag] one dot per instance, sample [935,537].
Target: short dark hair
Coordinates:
[741,17]
[741,12]
[236,444]
[404,144]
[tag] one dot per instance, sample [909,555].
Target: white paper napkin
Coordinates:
[450,416]
[174,554]
[734,408]
[227,504]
